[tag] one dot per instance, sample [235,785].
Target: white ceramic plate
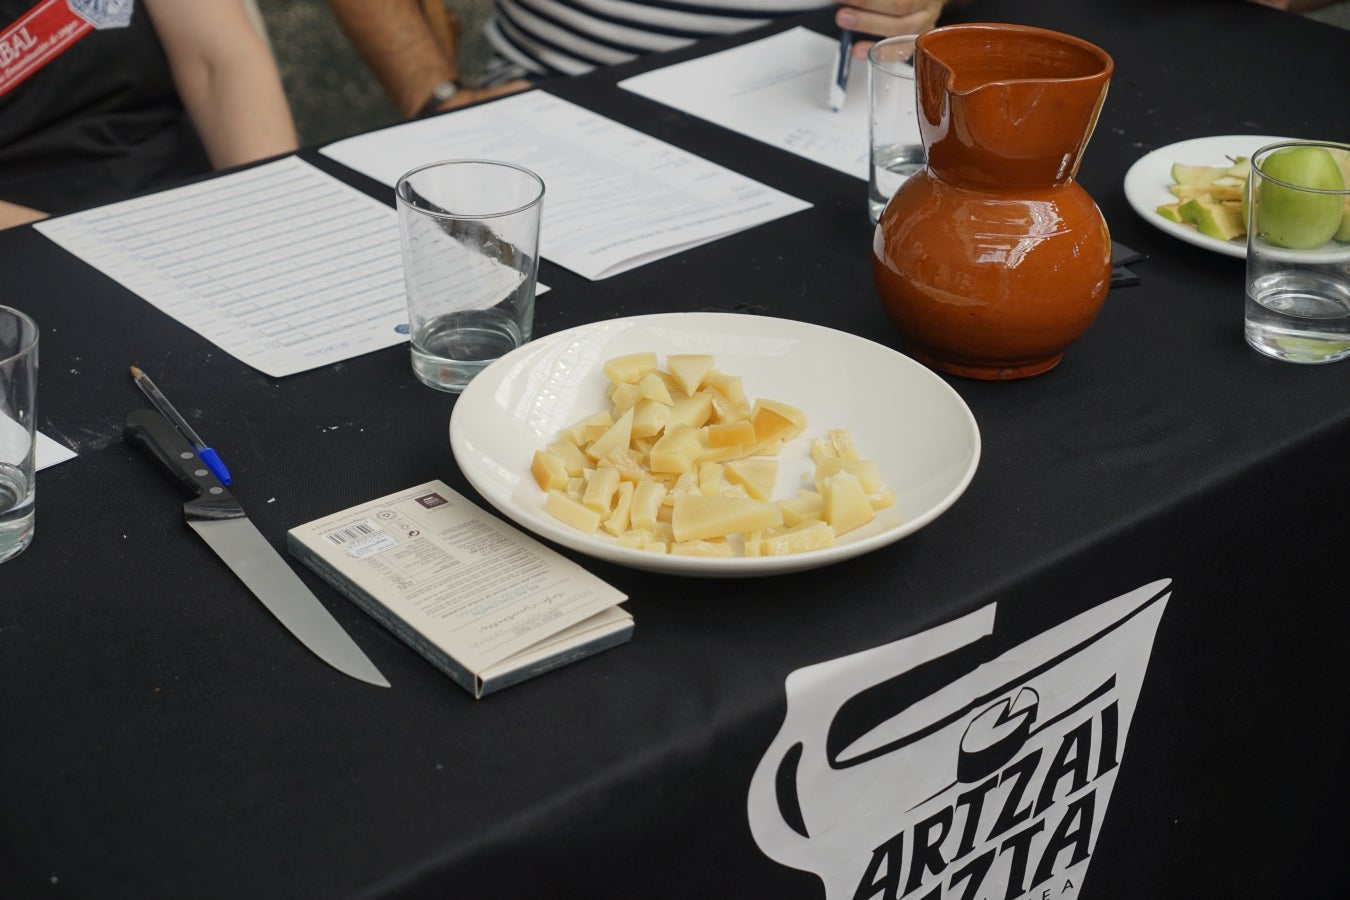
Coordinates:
[910,422]
[1147,180]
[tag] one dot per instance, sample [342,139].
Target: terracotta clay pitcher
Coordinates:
[993,260]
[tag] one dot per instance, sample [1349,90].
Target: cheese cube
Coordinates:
[570,454]
[813,535]
[649,418]
[572,512]
[676,451]
[600,490]
[653,388]
[729,386]
[634,538]
[689,369]
[774,423]
[701,548]
[696,517]
[710,479]
[623,397]
[844,504]
[694,410]
[881,499]
[732,434]
[780,411]
[822,449]
[804,507]
[617,523]
[627,463]
[616,436]
[647,497]
[629,369]
[842,441]
[724,411]
[717,454]
[863,469]
[758,474]
[588,429]
[549,472]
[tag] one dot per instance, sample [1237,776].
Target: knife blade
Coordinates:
[217,516]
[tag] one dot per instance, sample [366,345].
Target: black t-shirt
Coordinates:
[99,123]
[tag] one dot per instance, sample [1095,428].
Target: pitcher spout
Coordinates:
[1008,106]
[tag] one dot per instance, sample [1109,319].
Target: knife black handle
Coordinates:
[151,432]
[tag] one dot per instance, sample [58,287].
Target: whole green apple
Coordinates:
[1296,219]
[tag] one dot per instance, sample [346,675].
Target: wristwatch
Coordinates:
[439,95]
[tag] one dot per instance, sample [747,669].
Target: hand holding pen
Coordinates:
[842,65]
[877,19]
[205,453]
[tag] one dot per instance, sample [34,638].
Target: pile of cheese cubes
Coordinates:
[683,463]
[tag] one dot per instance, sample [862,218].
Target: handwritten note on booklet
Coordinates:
[485,603]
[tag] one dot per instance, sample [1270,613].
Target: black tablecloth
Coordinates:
[160,736]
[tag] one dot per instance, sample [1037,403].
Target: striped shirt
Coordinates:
[568,37]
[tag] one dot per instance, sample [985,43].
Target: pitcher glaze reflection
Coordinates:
[993,260]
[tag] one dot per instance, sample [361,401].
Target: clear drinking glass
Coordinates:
[896,150]
[18,430]
[470,236]
[1298,252]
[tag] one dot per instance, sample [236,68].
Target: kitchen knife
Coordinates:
[218,518]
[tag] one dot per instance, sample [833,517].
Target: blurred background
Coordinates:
[331,92]
[333,95]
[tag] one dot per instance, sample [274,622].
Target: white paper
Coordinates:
[282,266]
[49,452]
[614,198]
[774,90]
[14,445]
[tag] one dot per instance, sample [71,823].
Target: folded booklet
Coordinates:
[487,604]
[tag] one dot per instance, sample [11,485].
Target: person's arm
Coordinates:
[887,18]
[226,76]
[12,214]
[398,45]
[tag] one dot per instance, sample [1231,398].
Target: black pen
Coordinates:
[839,78]
[207,455]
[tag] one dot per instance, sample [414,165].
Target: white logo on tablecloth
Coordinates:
[925,768]
[104,13]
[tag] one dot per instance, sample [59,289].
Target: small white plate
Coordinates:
[910,422]
[1147,180]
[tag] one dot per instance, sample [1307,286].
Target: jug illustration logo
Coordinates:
[951,765]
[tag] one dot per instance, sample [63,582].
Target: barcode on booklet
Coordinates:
[354,532]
